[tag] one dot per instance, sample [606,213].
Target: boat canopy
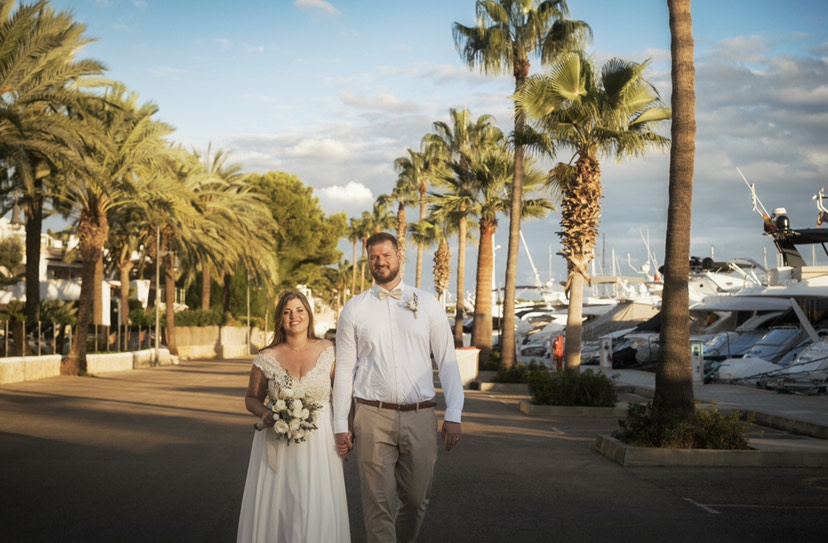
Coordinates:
[744,303]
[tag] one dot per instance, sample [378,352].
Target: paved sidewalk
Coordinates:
[160,455]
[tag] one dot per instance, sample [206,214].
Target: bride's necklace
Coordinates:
[295,350]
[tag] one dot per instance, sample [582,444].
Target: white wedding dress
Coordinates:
[303,499]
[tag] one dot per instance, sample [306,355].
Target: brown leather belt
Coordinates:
[397,406]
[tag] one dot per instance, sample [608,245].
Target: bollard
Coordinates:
[606,354]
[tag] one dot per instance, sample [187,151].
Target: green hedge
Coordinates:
[572,388]
[646,426]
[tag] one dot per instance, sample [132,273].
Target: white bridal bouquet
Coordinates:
[295,417]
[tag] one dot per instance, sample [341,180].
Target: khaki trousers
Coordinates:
[396,452]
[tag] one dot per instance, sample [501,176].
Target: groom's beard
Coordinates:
[385,275]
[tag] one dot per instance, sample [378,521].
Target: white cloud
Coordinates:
[317,7]
[321,149]
[352,198]
[224,43]
[382,101]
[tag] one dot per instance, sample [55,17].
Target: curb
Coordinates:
[799,427]
[512,388]
[629,456]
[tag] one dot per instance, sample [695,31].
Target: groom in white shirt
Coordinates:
[385,340]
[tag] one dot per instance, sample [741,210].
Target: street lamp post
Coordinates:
[157,294]
[248,314]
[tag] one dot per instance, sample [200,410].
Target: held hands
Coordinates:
[267,418]
[450,434]
[344,444]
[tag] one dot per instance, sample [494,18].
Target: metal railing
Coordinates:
[46,337]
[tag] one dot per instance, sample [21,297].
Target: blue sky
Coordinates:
[334,91]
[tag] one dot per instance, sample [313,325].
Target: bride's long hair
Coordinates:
[279,335]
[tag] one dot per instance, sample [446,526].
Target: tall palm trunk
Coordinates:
[674,377]
[206,287]
[442,269]
[354,270]
[225,301]
[97,299]
[507,341]
[401,224]
[169,301]
[34,227]
[460,306]
[418,279]
[93,230]
[124,267]
[580,215]
[482,331]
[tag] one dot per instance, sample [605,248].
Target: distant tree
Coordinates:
[11,253]
[305,237]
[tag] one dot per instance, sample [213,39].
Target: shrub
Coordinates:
[518,373]
[199,317]
[139,317]
[493,364]
[59,311]
[646,426]
[563,387]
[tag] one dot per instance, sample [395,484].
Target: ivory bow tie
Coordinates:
[396,294]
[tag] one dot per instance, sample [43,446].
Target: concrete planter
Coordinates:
[629,456]
[511,388]
[16,369]
[108,362]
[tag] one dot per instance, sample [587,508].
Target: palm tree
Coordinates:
[412,185]
[674,379]
[366,228]
[490,172]
[41,81]
[133,145]
[230,175]
[404,194]
[379,219]
[506,33]
[453,206]
[218,220]
[614,113]
[452,144]
[128,232]
[428,232]
[354,234]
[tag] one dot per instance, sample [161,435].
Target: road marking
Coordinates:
[820,483]
[713,507]
[702,506]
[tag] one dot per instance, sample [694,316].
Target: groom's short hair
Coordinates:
[382,237]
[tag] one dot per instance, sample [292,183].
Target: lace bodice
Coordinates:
[316,384]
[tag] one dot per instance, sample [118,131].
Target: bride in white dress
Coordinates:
[295,488]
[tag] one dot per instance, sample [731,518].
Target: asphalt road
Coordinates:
[160,455]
